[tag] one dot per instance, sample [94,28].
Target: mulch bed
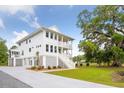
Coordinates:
[118,76]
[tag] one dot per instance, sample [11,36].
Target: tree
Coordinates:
[117,56]
[3,52]
[99,57]
[103,26]
[89,48]
[107,56]
[78,59]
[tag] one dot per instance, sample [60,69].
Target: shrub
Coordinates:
[87,64]
[33,67]
[81,65]
[42,67]
[76,65]
[59,67]
[54,67]
[39,67]
[49,67]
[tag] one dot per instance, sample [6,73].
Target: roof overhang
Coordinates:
[41,30]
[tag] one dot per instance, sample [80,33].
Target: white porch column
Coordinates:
[32,61]
[57,57]
[44,61]
[71,48]
[62,45]
[14,62]
[23,62]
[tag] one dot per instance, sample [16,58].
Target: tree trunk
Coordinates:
[108,64]
[78,64]
[99,64]
[116,64]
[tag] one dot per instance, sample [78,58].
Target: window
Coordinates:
[19,44]
[29,41]
[51,36]
[26,41]
[22,52]
[55,49]
[55,36]
[59,50]
[51,48]
[29,49]
[60,38]
[30,62]
[47,34]
[47,48]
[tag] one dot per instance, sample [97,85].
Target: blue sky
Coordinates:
[18,21]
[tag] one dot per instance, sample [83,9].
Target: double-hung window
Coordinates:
[55,49]
[47,34]
[51,48]
[47,48]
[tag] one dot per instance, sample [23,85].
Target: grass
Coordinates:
[92,74]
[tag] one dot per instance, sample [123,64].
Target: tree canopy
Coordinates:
[3,52]
[104,26]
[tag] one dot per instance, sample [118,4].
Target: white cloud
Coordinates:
[71,6]
[2,26]
[31,21]
[28,15]
[14,9]
[19,35]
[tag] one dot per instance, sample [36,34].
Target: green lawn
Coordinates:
[92,74]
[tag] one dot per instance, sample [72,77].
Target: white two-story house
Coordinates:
[48,45]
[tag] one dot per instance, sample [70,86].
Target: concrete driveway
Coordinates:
[44,80]
[7,81]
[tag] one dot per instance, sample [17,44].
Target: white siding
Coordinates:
[36,40]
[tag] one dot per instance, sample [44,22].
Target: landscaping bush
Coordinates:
[59,67]
[54,67]
[81,65]
[87,64]
[39,68]
[42,67]
[76,65]
[32,68]
[49,67]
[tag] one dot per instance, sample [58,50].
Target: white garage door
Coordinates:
[19,62]
[50,61]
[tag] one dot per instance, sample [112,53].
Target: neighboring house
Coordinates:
[47,45]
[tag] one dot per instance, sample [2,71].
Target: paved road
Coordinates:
[44,80]
[7,81]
